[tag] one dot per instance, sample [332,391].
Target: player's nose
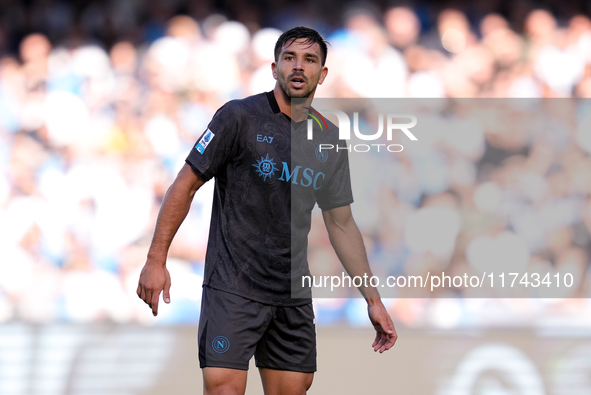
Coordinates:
[298,64]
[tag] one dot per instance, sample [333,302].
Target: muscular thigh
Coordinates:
[281,382]
[224,381]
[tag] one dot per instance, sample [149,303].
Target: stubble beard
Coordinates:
[297,93]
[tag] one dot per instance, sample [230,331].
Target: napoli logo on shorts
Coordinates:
[220,344]
[265,167]
[321,155]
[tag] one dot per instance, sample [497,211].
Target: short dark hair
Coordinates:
[310,35]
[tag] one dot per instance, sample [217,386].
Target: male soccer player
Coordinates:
[267,182]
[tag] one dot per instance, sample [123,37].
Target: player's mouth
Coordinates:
[297,82]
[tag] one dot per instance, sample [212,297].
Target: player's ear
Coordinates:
[274,69]
[323,74]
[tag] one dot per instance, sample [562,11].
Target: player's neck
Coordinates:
[296,112]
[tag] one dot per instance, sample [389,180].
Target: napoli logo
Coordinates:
[321,155]
[266,167]
[220,344]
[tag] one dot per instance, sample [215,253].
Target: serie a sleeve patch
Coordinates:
[204,141]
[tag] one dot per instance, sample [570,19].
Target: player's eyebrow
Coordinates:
[306,54]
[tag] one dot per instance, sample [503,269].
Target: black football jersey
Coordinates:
[268,177]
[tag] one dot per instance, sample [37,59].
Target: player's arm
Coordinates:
[347,242]
[154,277]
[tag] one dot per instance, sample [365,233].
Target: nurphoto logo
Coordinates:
[392,124]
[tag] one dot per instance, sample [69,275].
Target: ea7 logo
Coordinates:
[345,125]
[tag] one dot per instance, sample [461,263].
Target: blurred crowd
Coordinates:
[100,102]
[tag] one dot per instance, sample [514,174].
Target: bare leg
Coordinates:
[282,382]
[222,381]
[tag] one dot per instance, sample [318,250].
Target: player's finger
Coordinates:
[386,346]
[143,294]
[380,342]
[139,291]
[383,347]
[389,326]
[385,325]
[154,303]
[379,346]
[389,343]
[166,294]
[392,335]
[377,339]
[148,299]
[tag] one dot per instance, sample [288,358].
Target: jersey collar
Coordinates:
[273,102]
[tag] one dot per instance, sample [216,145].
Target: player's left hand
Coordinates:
[385,332]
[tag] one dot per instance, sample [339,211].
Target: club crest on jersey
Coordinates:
[321,155]
[204,141]
[265,167]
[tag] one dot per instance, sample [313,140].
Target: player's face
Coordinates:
[299,69]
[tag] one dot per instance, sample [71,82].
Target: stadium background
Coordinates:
[100,101]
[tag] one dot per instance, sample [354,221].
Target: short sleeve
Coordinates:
[337,192]
[218,143]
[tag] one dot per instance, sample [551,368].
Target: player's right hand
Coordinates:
[154,279]
[386,334]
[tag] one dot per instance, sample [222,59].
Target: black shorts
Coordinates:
[232,329]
